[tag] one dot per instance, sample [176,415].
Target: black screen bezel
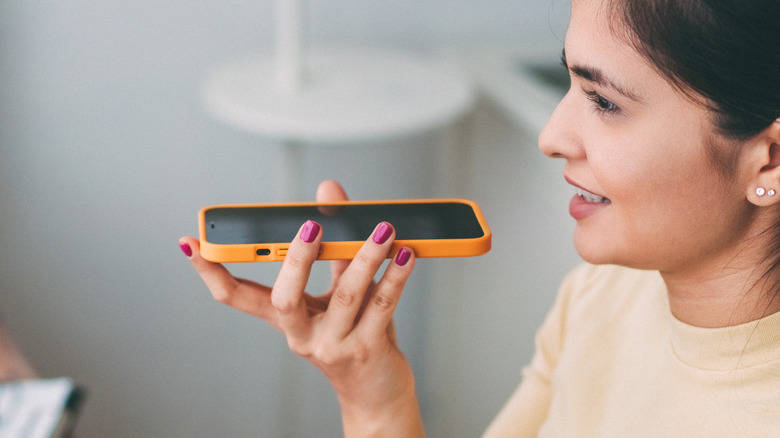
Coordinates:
[348,222]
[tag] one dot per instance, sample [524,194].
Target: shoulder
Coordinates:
[610,289]
[598,302]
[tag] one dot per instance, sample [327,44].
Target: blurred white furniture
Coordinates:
[525,81]
[332,96]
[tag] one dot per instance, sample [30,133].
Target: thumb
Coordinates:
[331,191]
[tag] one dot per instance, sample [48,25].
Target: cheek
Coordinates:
[657,192]
[664,203]
[626,173]
[652,164]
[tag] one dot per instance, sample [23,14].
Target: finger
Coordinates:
[378,314]
[331,191]
[347,298]
[288,296]
[244,295]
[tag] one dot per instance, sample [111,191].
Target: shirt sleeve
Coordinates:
[526,410]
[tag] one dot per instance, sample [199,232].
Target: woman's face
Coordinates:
[639,148]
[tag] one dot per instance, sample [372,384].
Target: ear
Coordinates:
[764,166]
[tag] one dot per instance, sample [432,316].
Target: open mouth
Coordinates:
[591,197]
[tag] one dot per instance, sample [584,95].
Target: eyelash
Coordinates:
[601,104]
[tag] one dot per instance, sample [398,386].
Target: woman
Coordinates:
[671,137]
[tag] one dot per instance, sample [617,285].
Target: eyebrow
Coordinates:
[596,76]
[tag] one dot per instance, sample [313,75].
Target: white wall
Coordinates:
[106,155]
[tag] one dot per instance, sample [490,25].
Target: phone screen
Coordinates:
[350,222]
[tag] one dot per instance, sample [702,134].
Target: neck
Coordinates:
[730,287]
[722,298]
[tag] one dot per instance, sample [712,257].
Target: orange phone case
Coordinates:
[344,250]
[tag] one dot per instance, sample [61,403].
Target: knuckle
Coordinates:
[382,300]
[222,296]
[361,354]
[331,355]
[224,293]
[368,259]
[283,304]
[394,279]
[343,297]
[299,347]
[326,354]
[296,260]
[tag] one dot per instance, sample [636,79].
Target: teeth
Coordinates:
[590,197]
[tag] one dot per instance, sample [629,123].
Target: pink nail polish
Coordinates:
[382,233]
[310,231]
[403,257]
[185,248]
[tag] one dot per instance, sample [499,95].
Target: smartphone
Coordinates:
[262,233]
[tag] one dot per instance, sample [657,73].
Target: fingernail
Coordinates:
[382,233]
[310,231]
[403,257]
[185,248]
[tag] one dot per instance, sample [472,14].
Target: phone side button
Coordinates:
[283,252]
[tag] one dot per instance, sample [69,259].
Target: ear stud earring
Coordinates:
[760,191]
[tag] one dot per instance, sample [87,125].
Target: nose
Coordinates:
[558,138]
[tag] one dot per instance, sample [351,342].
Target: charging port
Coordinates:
[263,252]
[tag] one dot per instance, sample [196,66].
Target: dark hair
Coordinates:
[727,51]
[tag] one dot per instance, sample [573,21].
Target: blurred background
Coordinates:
[107,152]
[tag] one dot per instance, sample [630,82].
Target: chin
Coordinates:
[594,259]
[600,254]
[586,247]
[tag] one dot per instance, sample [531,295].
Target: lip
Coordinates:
[579,208]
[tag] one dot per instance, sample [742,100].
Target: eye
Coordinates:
[600,103]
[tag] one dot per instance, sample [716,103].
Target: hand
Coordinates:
[347,332]
[13,364]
